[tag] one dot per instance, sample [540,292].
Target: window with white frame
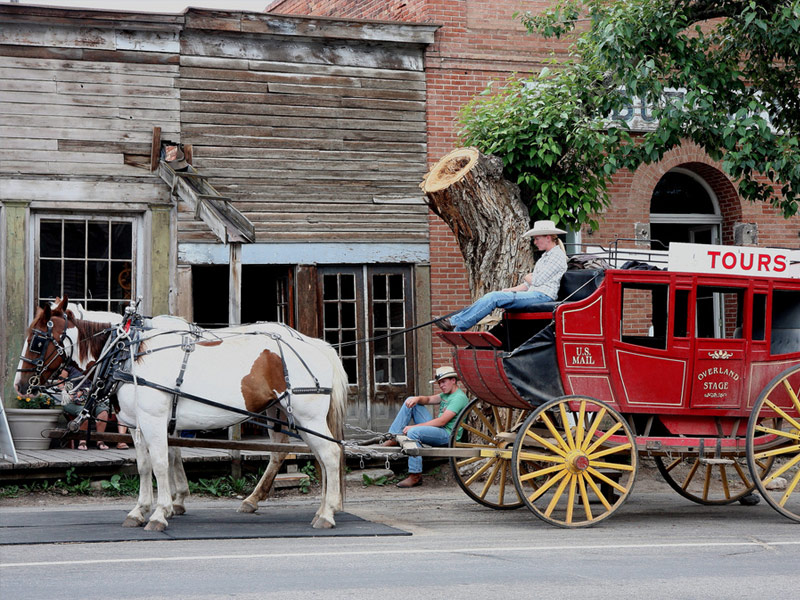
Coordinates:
[90,259]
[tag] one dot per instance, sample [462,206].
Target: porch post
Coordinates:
[235,318]
[14,293]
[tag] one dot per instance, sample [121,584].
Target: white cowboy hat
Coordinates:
[443,373]
[543,228]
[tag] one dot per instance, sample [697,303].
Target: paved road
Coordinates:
[656,546]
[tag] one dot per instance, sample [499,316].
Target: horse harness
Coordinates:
[115,366]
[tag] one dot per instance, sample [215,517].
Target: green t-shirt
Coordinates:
[455,402]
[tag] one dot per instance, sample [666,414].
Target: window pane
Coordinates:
[644,315]
[122,240]
[398,370]
[348,286]
[398,345]
[397,314]
[97,277]
[98,240]
[49,278]
[379,316]
[381,370]
[348,315]
[74,239]
[121,280]
[378,287]
[330,287]
[74,285]
[331,316]
[382,346]
[396,287]
[50,239]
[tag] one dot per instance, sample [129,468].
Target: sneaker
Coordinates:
[444,324]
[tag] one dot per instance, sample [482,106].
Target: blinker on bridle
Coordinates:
[40,341]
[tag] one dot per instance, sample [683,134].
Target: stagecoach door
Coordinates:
[366,302]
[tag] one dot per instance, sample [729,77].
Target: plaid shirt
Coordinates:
[548,271]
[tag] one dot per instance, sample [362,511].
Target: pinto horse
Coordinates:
[251,368]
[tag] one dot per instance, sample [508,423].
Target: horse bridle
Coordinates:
[40,342]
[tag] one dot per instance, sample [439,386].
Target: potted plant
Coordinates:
[30,419]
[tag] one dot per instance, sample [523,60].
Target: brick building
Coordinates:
[684,197]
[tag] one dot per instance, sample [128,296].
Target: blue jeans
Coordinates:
[466,318]
[433,436]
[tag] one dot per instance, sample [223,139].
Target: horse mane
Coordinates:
[92,337]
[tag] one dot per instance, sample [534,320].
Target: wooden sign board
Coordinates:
[734,260]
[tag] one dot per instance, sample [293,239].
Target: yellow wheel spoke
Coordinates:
[789,464]
[673,464]
[579,431]
[585,498]
[779,451]
[610,482]
[690,474]
[742,474]
[485,421]
[778,432]
[598,418]
[571,497]
[783,413]
[612,466]
[789,489]
[537,438]
[707,482]
[481,471]
[612,450]
[501,494]
[469,461]
[541,472]
[557,496]
[723,474]
[562,409]
[556,435]
[616,427]
[530,456]
[477,432]
[550,483]
[792,394]
[597,492]
[490,479]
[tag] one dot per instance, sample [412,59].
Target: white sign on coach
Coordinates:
[734,260]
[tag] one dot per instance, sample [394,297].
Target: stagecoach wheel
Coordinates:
[710,482]
[773,432]
[581,455]
[486,479]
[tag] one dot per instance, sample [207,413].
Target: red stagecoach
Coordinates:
[696,365]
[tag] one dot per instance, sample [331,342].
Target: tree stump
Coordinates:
[467,190]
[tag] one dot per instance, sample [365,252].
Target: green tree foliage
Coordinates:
[735,61]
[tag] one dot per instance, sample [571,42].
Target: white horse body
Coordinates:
[245,368]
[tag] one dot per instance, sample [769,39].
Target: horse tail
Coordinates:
[336,410]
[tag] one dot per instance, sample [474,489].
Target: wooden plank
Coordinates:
[203,107]
[193,120]
[66,73]
[122,101]
[155,148]
[78,64]
[88,54]
[127,195]
[44,156]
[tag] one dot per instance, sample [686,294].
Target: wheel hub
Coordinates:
[577,461]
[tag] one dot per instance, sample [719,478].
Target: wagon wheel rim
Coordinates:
[773,432]
[583,472]
[710,484]
[487,479]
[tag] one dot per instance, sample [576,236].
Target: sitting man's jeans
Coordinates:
[433,436]
[466,318]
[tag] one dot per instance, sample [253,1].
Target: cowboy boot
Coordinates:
[413,480]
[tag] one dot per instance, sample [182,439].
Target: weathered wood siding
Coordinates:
[315,128]
[80,93]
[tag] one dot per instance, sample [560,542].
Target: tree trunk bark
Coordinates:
[484,211]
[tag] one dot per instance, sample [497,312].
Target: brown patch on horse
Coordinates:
[265,378]
[210,343]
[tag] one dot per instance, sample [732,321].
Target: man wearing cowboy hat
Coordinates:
[434,432]
[537,287]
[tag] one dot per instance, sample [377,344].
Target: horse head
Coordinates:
[48,348]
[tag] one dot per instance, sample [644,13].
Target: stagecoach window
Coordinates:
[680,326]
[719,312]
[90,259]
[644,315]
[785,338]
[759,316]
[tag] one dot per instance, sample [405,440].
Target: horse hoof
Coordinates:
[155,526]
[131,522]
[322,523]
[178,509]
[246,507]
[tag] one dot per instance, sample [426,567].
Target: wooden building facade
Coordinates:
[313,128]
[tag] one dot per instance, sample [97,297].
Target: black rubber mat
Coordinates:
[89,526]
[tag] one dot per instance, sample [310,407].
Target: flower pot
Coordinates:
[27,425]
